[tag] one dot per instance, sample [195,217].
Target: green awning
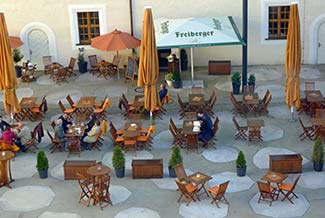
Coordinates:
[196,32]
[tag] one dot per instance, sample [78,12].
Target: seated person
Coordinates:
[23,136]
[8,137]
[59,134]
[66,121]
[206,127]
[92,135]
[89,125]
[3,124]
[162,91]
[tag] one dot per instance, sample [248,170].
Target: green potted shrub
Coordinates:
[42,164]
[17,56]
[118,161]
[184,60]
[82,64]
[251,81]
[318,155]
[236,80]
[241,164]
[177,81]
[169,79]
[175,159]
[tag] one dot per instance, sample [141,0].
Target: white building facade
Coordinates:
[58,28]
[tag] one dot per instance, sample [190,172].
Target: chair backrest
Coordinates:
[235,122]
[295,182]
[268,100]
[266,96]
[246,89]
[215,126]
[180,172]
[223,188]
[113,133]
[47,60]
[264,187]
[53,125]
[182,187]
[309,86]
[70,101]
[72,63]
[92,60]
[197,90]
[172,130]
[112,126]
[171,122]
[61,106]
[213,94]
[107,104]
[124,97]
[301,123]
[320,113]
[212,102]
[50,136]
[180,102]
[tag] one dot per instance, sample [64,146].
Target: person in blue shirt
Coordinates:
[162,91]
[206,127]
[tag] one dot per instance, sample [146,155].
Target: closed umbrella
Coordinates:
[148,65]
[8,79]
[293,59]
[115,41]
[15,42]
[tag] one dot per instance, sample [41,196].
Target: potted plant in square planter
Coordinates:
[17,56]
[177,81]
[118,161]
[241,164]
[175,159]
[318,155]
[184,60]
[236,80]
[82,64]
[169,79]
[251,81]
[42,164]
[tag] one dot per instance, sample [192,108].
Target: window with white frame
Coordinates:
[275,20]
[86,22]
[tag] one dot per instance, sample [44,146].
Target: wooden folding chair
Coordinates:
[101,191]
[96,143]
[267,192]
[238,105]
[241,130]
[69,68]
[100,112]
[32,143]
[187,190]
[117,139]
[218,193]
[287,190]
[118,131]
[184,107]
[181,174]
[93,64]
[309,86]
[47,62]
[64,110]
[131,70]
[85,184]
[304,106]
[56,145]
[74,146]
[171,122]
[144,142]
[214,132]
[308,131]
[192,142]
[264,105]
[60,76]
[209,107]
[320,113]
[212,96]
[38,109]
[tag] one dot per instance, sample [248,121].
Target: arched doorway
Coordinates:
[39,40]
[321,44]
[38,46]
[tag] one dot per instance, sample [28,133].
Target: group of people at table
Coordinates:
[92,130]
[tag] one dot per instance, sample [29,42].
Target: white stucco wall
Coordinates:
[55,14]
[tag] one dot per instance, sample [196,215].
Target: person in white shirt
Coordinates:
[23,135]
[92,135]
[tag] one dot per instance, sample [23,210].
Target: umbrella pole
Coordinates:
[292,119]
[118,67]
[192,65]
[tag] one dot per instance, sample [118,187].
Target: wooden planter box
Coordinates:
[219,67]
[71,167]
[145,169]
[287,163]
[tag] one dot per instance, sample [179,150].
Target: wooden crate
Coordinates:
[219,67]
[71,167]
[287,163]
[145,169]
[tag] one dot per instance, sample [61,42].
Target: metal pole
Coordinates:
[192,65]
[244,48]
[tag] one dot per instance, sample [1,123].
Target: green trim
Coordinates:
[200,45]
[235,28]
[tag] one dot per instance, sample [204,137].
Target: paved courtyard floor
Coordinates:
[32,197]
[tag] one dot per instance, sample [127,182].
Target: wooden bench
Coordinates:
[145,169]
[71,167]
[286,163]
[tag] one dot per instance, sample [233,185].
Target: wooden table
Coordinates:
[74,135]
[315,99]
[26,104]
[254,129]
[98,172]
[5,169]
[250,101]
[200,180]
[189,116]
[75,131]
[188,126]
[274,177]
[196,101]
[132,129]
[86,104]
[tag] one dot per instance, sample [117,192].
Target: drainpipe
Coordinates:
[131,22]
[244,48]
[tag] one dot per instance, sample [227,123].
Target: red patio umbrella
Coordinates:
[15,42]
[115,41]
